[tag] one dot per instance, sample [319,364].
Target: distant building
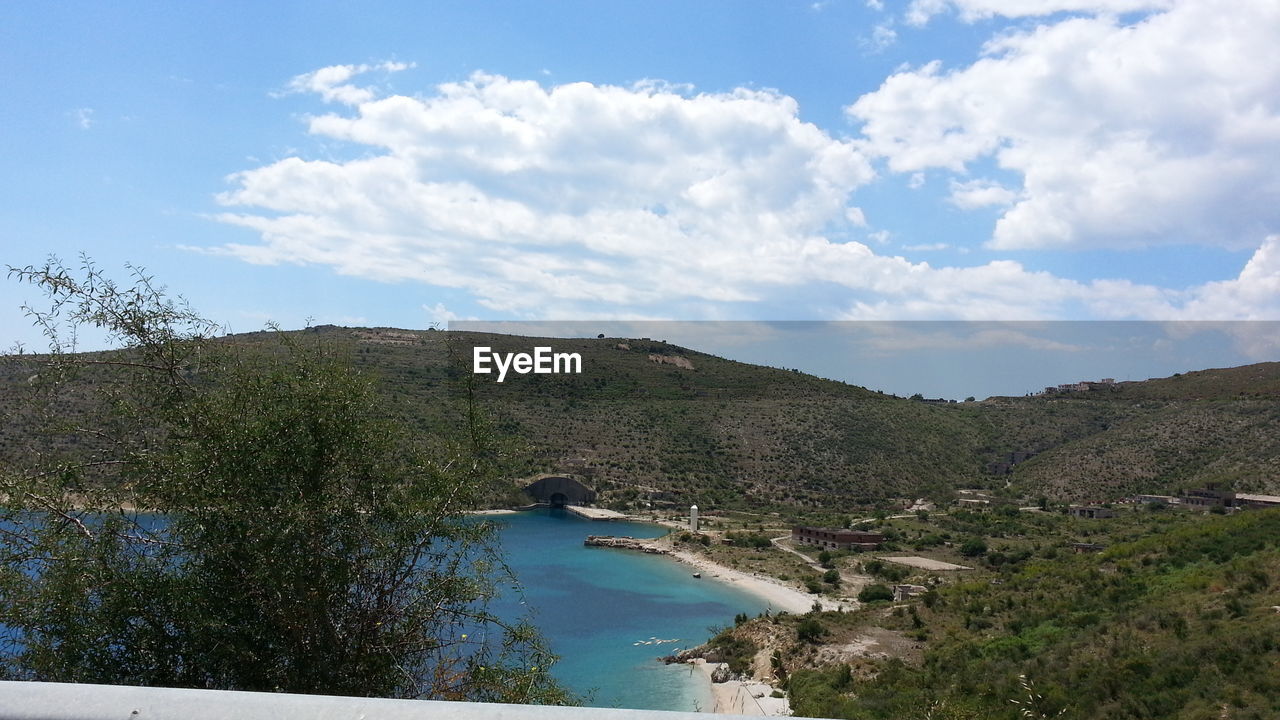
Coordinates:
[905,592]
[693,518]
[975,498]
[1157,499]
[1257,501]
[836,538]
[1205,498]
[1090,511]
[1005,466]
[1082,386]
[1087,547]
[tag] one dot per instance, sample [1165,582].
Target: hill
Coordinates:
[1161,435]
[1178,623]
[650,422]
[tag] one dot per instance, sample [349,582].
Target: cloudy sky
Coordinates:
[410,163]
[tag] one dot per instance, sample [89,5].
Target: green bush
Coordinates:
[875,593]
[973,547]
[810,630]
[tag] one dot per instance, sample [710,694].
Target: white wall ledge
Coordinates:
[73,701]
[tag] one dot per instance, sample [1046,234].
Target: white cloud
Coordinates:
[927,247]
[980,193]
[882,36]
[1166,131]
[647,201]
[438,314]
[1253,295]
[1254,340]
[331,83]
[580,193]
[920,11]
[890,338]
[83,117]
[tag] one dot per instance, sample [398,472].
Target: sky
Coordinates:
[408,164]
[952,360]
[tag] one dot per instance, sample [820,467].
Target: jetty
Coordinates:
[594,513]
[625,542]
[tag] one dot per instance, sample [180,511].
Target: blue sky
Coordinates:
[947,359]
[400,164]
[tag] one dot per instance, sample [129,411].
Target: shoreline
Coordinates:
[777,595]
[780,597]
[741,697]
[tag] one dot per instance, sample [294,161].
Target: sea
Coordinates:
[610,614]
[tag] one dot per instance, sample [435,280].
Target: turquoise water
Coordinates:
[595,604]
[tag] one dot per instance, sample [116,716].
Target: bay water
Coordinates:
[610,613]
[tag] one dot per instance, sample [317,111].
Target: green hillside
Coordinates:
[1211,426]
[650,422]
[1178,624]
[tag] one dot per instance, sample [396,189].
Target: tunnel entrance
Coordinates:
[559,491]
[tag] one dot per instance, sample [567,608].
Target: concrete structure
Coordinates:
[1082,386]
[923,563]
[693,518]
[1256,501]
[76,701]
[905,592]
[559,491]
[1205,498]
[1087,547]
[1156,499]
[597,514]
[836,538]
[1090,511]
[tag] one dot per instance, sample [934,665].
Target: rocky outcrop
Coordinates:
[625,543]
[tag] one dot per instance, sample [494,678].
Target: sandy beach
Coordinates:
[778,595]
[739,697]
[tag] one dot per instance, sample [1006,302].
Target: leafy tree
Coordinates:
[810,630]
[291,541]
[973,547]
[874,592]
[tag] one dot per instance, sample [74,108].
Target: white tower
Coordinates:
[693,518]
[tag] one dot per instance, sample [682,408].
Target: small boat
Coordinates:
[697,575]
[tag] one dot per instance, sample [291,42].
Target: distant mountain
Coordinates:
[647,421]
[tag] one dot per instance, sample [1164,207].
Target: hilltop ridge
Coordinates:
[652,423]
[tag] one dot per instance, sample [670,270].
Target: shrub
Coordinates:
[810,630]
[874,593]
[973,547]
